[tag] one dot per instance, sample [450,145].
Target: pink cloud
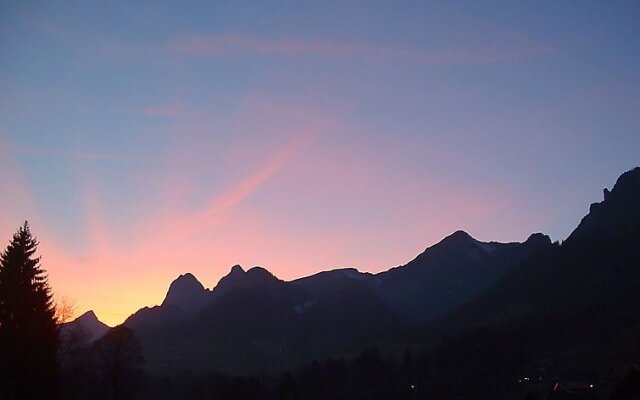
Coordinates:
[180,238]
[179,226]
[240,45]
[243,189]
[288,169]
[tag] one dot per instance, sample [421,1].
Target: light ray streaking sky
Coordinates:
[146,140]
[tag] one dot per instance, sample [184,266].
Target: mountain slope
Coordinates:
[532,298]
[576,302]
[256,322]
[89,324]
[185,296]
[252,320]
[187,293]
[451,273]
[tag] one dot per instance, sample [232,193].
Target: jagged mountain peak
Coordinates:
[88,323]
[538,238]
[458,236]
[88,316]
[187,279]
[259,272]
[627,185]
[239,278]
[237,269]
[185,292]
[625,192]
[460,241]
[451,272]
[620,206]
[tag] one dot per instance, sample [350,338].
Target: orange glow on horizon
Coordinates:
[295,209]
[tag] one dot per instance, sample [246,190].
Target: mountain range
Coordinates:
[252,319]
[461,297]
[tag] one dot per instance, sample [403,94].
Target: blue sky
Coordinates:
[145,140]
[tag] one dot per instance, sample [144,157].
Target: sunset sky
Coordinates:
[145,140]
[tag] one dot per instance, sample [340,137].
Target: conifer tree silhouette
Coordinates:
[28,331]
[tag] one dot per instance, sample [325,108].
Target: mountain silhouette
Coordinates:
[450,273]
[252,321]
[620,206]
[238,278]
[575,302]
[463,299]
[92,328]
[187,293]
[255,321]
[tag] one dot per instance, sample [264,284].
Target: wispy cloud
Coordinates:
[217,210]
[241,45]
[220,205]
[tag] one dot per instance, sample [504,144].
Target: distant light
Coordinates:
[413,386]
[591,386]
